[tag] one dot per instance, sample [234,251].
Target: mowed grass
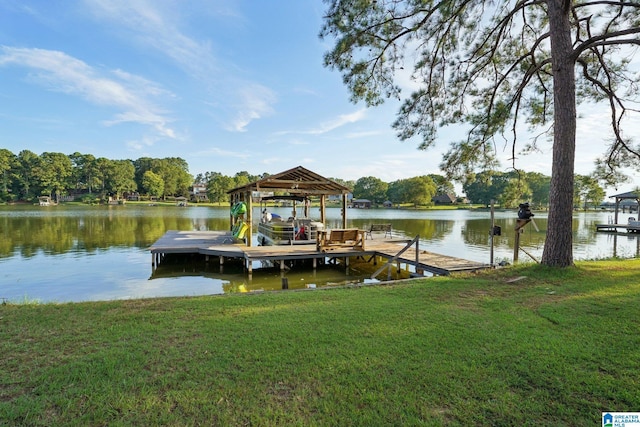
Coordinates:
[524,345]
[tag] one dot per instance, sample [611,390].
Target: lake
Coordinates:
[93,253]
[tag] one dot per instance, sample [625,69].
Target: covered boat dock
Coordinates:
[614,225]
[300,182]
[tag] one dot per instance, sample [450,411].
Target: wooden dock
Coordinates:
[222,245]
[618,227]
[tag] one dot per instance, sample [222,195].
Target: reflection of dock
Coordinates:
[618,227]
[222,245]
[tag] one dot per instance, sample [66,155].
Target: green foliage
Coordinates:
[417,190]
[52,173]
[152,184]
[370,188]
[489,67]
[587,192]
[120,177]
[217,187]
[511,188]
[486,186]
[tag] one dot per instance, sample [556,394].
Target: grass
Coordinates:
[525,345]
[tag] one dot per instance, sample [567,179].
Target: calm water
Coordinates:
[60,253]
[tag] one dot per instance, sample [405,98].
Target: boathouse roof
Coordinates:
[627,195]
[296,181]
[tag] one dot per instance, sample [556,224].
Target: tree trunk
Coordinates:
[558,247]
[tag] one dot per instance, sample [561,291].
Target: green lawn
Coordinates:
[523,345]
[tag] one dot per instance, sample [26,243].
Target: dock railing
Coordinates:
[391,260]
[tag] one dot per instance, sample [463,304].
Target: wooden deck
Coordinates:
[221,244]
[618,227]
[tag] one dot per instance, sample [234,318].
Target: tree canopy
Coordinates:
[492,66]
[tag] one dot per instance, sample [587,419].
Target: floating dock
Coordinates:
[222,245]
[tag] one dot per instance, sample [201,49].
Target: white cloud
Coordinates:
[156,25]
[160,26]
[330,125]
[60,72]
[254,102]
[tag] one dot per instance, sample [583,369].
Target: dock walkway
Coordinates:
[617,227]
[222,245]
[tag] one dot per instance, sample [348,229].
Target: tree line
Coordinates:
[26,176]
[506,189]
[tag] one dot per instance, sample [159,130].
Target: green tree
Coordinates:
[443,185]
[102,171]
[347,183]
[53,173]
[153,184]
[515,191]
[25,185]
[539,185]
[485,186]
[416,190]
[120,177]
[7,163]
[174,171]
[370,188]
[217,187]
[492,65]
[587,191]
[243,178]
[83,172]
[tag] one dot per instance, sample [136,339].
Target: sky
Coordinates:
[227,85]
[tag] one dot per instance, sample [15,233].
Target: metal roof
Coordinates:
[296,181]
[627,195]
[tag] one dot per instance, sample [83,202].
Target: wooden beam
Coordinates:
[294,181]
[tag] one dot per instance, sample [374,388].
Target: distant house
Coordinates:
[361,203]
[338,197]
[198,193]
[444,199]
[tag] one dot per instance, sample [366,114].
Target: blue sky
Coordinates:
[228,85]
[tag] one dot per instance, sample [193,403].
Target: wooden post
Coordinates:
[520,223]
[249,220]
[491,232]
[323,218]
[344,211]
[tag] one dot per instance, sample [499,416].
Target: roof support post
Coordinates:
[249,220]
[323,204]
[344,210]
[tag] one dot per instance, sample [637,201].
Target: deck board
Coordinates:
[616,227]
[219,243]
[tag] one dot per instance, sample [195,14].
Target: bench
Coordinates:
[344,238]
[380,228]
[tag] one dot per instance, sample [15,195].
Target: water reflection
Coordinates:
[79,253]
